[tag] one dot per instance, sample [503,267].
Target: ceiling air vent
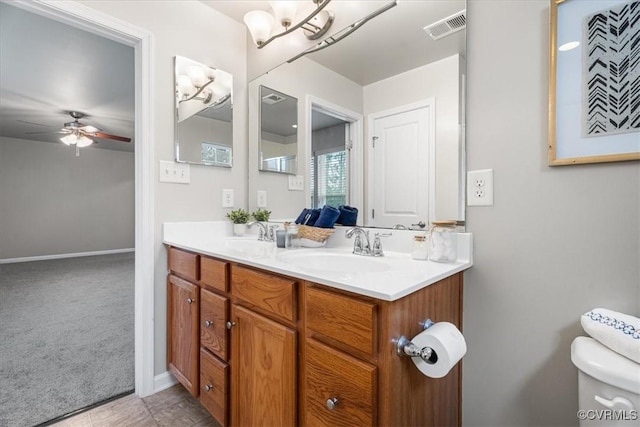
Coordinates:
[272,98]
[447,26]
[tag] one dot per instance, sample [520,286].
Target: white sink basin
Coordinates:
[249,246]
[332,262]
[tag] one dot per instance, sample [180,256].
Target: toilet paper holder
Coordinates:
[404,346]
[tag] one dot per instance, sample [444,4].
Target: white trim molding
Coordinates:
[86,18]
[163,381]
[62,256]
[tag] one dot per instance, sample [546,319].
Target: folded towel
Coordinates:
[327,218]
[312,217]
[348,215]
[302,216]
[620,332]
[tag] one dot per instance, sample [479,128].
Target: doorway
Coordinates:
[402,166]
[334,160]
[93,21]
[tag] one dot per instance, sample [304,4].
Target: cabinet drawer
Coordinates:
[271,293]
[184,263]
[331,374]
[214,386]
[349,323]
[213,320]
[213,273]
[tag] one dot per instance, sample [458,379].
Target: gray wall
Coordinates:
[52,202]
[558,241]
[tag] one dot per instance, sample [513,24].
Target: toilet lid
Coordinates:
[605,365]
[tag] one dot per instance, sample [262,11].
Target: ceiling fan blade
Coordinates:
[89,129]
[32,123]
[108,136]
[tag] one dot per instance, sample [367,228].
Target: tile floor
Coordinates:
[172,407]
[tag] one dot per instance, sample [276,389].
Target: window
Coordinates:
[329,186]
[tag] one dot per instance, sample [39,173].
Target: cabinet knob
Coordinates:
[332,403]
[190,300]
[208,323]
[208,387]
[230,325]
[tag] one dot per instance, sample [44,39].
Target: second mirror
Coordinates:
[278,132]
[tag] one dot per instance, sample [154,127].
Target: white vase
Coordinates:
[239,229]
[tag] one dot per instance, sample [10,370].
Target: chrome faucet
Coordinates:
[359,248]
[264,234]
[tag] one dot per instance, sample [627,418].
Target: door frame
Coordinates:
[355,155]
[91,20]
[431,153]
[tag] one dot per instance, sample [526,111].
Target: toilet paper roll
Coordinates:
[448,344]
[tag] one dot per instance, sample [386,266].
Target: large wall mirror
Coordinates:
[204,114]
[380,119]
[278,149]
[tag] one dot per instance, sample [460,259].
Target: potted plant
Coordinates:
[261,215]
[239,217]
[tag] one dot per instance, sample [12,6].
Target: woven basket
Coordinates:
[313,233]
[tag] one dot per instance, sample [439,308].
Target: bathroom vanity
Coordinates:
[261,347]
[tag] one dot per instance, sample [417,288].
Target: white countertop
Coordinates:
[403,276]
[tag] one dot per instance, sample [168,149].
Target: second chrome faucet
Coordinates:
[362,245]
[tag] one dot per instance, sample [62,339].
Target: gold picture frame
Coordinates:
[568,145]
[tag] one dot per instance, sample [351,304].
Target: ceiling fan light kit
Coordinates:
[260,23]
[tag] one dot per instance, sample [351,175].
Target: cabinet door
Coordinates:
[213,320]
[182,316]
[263,361]
[340,390]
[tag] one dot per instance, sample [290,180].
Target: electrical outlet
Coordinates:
[175,172]
[262,199]
[227,198]
[480,188]
[296,182]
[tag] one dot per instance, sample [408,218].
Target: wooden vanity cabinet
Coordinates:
[265,349]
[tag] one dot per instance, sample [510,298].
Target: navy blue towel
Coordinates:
[302,216]
[314,214]
[327,217]
[348,215]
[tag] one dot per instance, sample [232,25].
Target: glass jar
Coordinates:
[443,241]
[292,238]
[420,248]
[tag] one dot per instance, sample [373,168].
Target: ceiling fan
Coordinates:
[81,135]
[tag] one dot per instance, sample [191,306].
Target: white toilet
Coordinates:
[608,385]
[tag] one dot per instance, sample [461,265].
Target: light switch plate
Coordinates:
[296,182]
[179,173]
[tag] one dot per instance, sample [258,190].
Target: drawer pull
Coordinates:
[208,323]
[190,300]
[230,325]
[208,387]
[332,403]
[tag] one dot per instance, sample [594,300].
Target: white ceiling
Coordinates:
[48,69]
[389,44]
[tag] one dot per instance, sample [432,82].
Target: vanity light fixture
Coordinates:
[260,23]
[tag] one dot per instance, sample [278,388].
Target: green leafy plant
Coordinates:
[239,216]
[261,215]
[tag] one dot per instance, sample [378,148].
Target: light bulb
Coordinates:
[259,23]
[185,85]
[197,76]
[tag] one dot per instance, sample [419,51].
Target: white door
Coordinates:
[401,166]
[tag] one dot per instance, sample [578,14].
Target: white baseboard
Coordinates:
[60,256]
[163,381]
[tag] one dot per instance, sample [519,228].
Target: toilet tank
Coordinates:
[608,385]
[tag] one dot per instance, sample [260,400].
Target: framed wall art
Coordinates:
[594,81]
